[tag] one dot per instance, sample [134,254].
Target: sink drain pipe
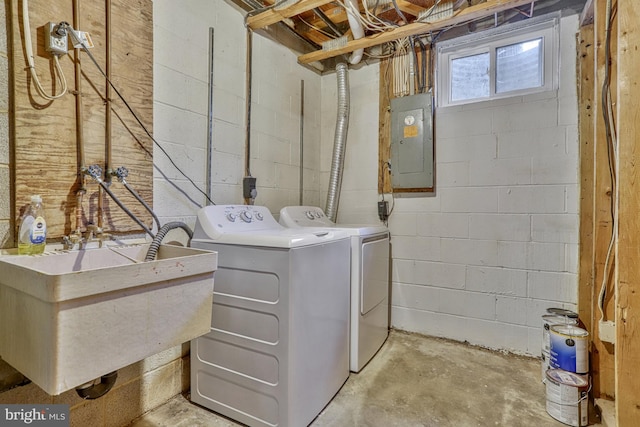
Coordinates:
[339,142]
[93,390]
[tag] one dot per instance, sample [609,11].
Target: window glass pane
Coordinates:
[519,66]
[470,77]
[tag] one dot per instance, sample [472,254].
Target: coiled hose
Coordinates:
[160,235]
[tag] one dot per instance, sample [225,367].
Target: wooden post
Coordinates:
[628,249]
[602,354]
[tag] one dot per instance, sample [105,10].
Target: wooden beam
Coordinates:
[410,8]
[470,13]
[602,353]
[586,98]
[272,16]
[628,269]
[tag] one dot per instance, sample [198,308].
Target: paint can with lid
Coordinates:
[568,348]
[567,397]
[554,316]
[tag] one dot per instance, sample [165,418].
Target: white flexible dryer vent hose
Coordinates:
[339,142]
[356,29]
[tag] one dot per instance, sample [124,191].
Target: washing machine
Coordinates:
[370,280]
[278,349]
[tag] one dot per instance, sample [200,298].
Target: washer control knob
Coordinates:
[309,214]
[246,216]
[231,217]
[259,216]
[318,215]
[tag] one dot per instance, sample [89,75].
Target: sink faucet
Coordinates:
[93,234]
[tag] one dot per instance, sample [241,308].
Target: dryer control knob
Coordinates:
[309,215]
[231,217]
[246,216]
[259,216]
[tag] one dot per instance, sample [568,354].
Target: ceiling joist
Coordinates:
[468,14]
[271,16]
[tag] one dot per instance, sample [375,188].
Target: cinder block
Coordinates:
[558,228]
[530,115]
[561,287]
[495,280]
[467,304]
[531,256]
[443,225]
[470,252]
[287,176]
[530,143]
[500,227]
[554,170]
[4,138]
[415,297]
[568,110]
[440,274]
[532,199]
[465,148]
[416,248]
[228,138]
[469,199]
[463,123]
[572,263]
[511,310]
[403,271]
[455,174]
[418,204]
[572,199]
[511,171]
[403,224]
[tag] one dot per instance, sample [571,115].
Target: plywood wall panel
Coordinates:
[45,146]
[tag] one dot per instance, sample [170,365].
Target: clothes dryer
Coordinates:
[370,281]
[278,349]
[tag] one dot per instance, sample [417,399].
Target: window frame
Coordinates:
[546,27]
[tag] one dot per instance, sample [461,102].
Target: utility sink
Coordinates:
[69,317]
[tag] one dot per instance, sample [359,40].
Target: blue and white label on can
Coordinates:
[568,349]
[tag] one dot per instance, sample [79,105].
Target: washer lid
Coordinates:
[255,226]
[312,216]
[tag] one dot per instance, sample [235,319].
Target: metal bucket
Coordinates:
[568,349]
[567,397]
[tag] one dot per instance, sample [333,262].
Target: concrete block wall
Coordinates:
[181,67]
[482,258]
[498,243]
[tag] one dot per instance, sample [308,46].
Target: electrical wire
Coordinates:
[31,60]
[78,41]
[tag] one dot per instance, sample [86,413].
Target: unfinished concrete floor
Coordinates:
[413,381]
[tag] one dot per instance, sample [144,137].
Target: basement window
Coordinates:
[512,60]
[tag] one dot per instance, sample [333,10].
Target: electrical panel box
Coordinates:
[412,143]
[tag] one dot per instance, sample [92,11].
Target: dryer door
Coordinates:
[374,280]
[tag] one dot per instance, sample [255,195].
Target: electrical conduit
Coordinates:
[339,143]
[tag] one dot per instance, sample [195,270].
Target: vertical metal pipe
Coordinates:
[79,123]
[108,162]
[208,188]
[248,76]
[301,141]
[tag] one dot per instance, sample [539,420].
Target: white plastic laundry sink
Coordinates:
[67,318]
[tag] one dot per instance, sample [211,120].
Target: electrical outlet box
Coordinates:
[383,210]
[249,187]
[54,42]
[607,331]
